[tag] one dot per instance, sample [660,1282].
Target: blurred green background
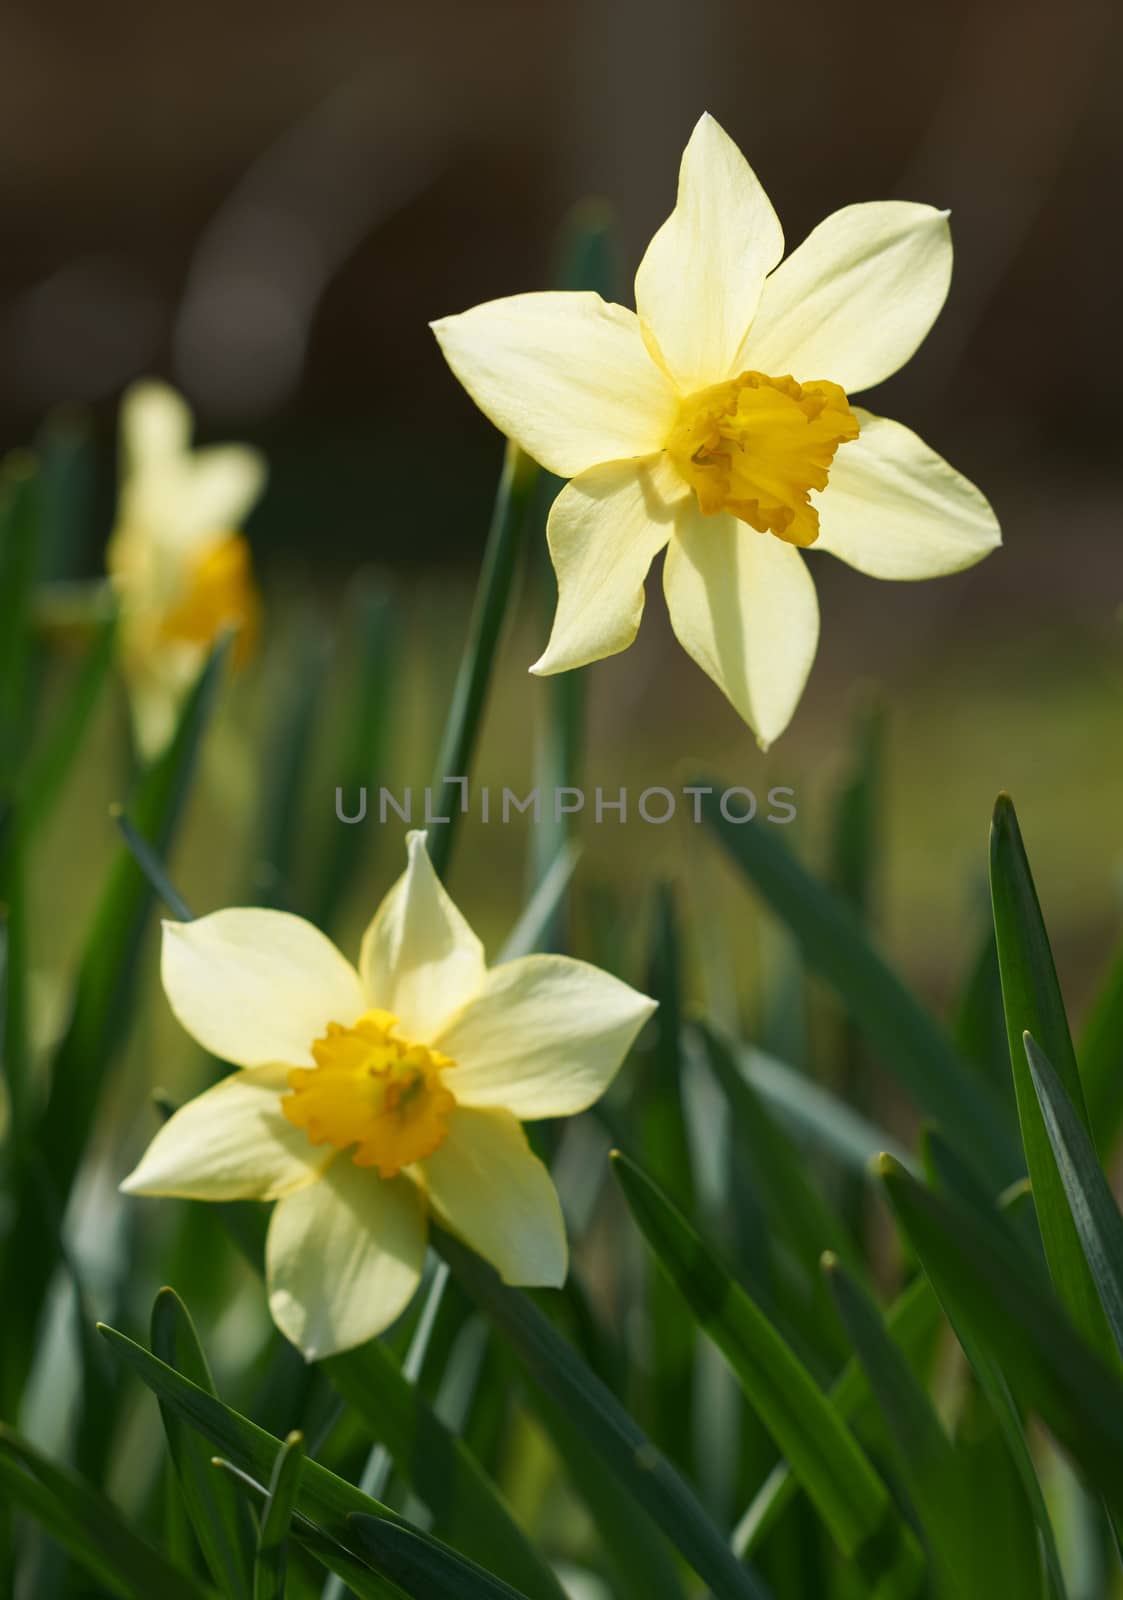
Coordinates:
[267,204]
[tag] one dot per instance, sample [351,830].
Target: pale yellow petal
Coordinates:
[343,1258]
[605,529]
[700,280]
[155,425]
[895,509]
[743,605]
[420,960]
[564,374]
[854,302]
[489,1188]
[158,683]
[255,986]
[223,485]
[544,1037]
[232,1142]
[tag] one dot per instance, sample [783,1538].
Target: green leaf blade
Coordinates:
[1094,1212]
[96,1030]
[217,1514]
[89,1526]
[998,1306]
[1032,999]
[926,1457]
[469,1511]
[851,1499]
[323,1497]
[905,1038]
[271,1556]
[640,1468]
[914,1321]
[422,1569]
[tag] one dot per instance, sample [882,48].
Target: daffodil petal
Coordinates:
[544,1037]
[605,529]
[487,1185]
[222,485]
[343,1258]
[231,1142]
[856,299]
[256,986]
[566,375]
[420,960]
[743,605]
[893,508]
[700,280]
[155,424]
[157,685]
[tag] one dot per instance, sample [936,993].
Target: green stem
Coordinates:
[493,597]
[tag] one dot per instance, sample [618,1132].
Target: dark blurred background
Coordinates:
[266,204]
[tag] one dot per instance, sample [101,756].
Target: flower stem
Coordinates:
[493,597]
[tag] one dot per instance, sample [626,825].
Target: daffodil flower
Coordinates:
[716,421]
[371,1098]
[177,558]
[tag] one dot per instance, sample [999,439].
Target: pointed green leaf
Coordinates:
[322,1496]
[639,1559]
[89,1526]
[812,1112]
[1094,1211]
[1032,999]
[662,1131]
[1011,1225]
[997,1305]
[112,945]
[271,1559]
[218,1515]
[152,867]
[823,1454]
[348,1568]
[415,1563]
[1012,1212]
[925,1456]
[999,1538]
[468,1509]
[979,1025]
[913,1321]
[97,1029]
[422,1568]
[906,1040]
[49,764]
[640,1468]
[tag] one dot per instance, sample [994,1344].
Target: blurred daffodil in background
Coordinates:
[369,1098]
[177,557]
[715,421]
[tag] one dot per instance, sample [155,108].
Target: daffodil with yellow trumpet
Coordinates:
[369,1098]
[177,557]
[715,421]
